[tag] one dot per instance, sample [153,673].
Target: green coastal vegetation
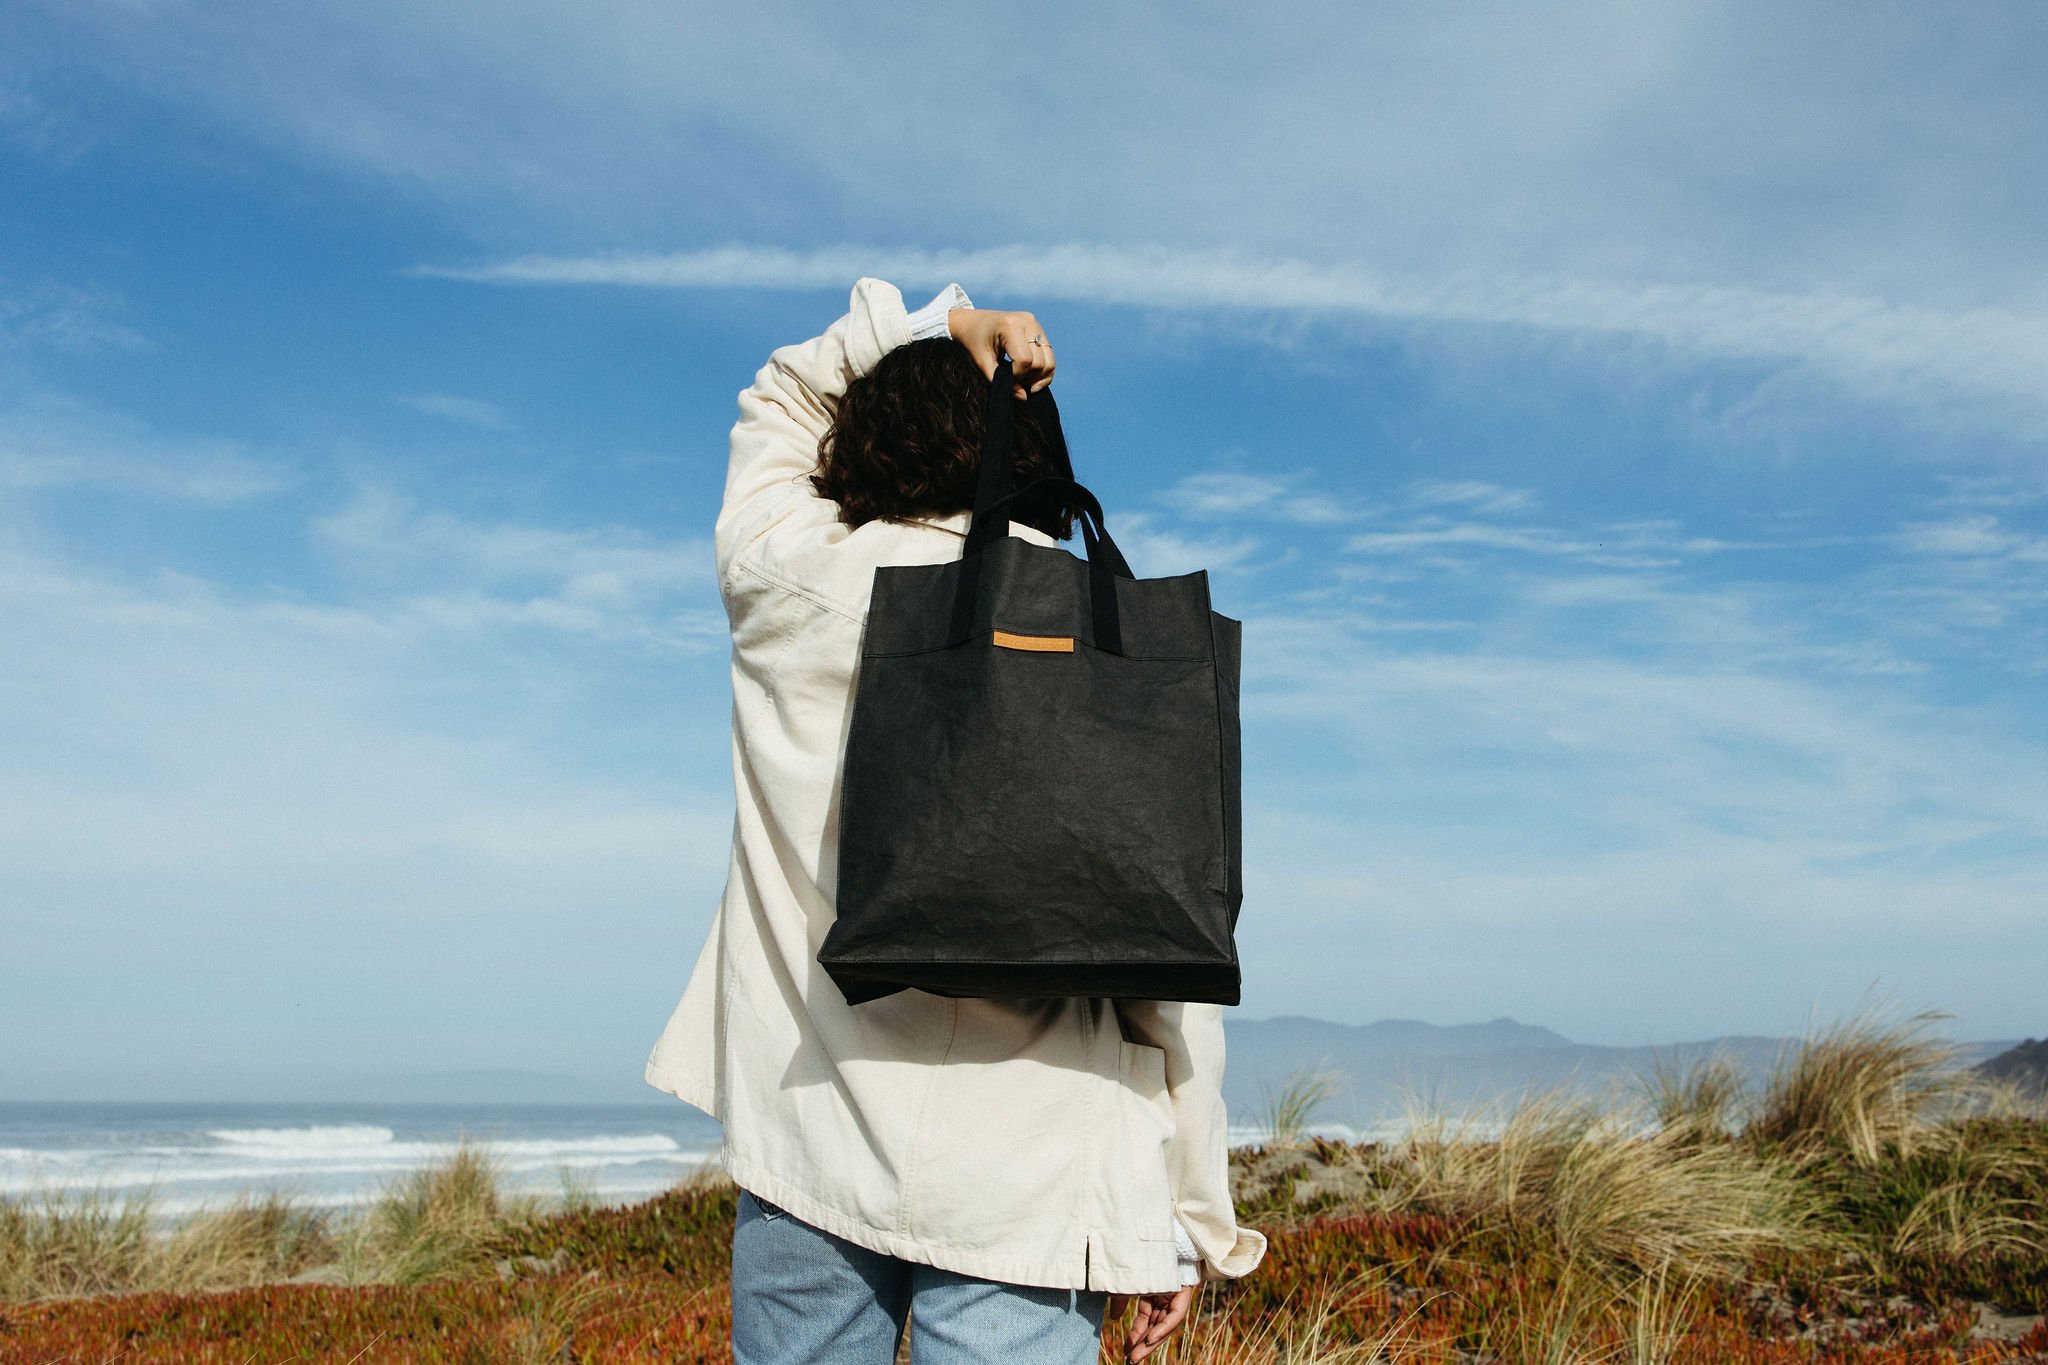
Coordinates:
[1870,1200]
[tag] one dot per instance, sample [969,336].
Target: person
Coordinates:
[993,1171]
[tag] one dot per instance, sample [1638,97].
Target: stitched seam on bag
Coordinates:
[777,580]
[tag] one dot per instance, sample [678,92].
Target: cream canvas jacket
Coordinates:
[1045,1140]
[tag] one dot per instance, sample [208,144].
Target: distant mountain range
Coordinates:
[1455,1068]
[2025,1063]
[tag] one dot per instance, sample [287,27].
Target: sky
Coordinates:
[1622,428]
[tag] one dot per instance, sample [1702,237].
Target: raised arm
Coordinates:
[788,409]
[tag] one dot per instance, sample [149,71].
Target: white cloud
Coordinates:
[280,752]
[1414,168]
[1682,687]
[1705,755]
[249,828]
[1158,552]
[1623,805]
[1876,348]
[1999,490]
[1232,494]
[1640,794]
[1438,137]
[1967,589]
[612,582]
[1980,536]
[1639,544]
[1474,493]
[1626,944]
[1478,534]
[65,317]
[49,441]
[473,412]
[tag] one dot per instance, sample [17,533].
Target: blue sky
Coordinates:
[1621,429]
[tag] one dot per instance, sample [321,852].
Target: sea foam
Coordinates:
[612,1156]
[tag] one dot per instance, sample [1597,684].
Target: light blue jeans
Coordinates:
[801,1294]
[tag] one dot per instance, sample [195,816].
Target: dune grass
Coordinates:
[56,1247]
[1870,1185]
[1860,1090]
[437,1222]
[1857,1205]
[1286,1113]
[1592,1179]
[430,1225]
[1704,1099]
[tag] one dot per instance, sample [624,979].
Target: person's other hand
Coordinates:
[987,331]
[1157,1317]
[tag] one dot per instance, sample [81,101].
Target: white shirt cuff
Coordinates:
[930,320]
[1190,1258]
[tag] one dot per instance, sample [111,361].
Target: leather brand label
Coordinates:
[1043,644]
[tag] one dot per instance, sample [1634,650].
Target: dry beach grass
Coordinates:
[1872,1202]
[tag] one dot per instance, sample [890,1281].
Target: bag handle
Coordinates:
[1087,511]
[998,453]
[993,500]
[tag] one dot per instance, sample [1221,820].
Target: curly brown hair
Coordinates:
[906,441]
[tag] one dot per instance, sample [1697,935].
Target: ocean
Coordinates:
[338,1155]
[187,1157]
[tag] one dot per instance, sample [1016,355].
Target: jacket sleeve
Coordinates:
[1198,1155]
[788,409]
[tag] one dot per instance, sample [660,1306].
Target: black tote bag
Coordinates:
[1041,783]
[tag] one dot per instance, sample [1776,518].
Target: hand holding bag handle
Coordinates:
[994,499]
[998,455]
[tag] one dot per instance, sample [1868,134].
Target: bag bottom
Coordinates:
[1214,983]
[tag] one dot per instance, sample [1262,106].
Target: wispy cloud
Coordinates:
[1665,705]
[1636,545]
[1493,519]
[1968,587]
[1475,534]
[1982,536]
[1263,496]
[256,709]
[473,412]
[1588,787]
[52,441]
[1996,490]
[1868,344]
[609,582]
[65,317]
[335,795]
[1908,155]
[1473,493]
[1158,551]
[1614,758]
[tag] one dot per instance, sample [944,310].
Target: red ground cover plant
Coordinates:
[649,1283]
